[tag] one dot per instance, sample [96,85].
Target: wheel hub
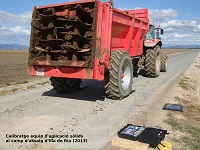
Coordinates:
[125,76]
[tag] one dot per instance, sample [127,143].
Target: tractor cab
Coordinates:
[154,33]
[152,37]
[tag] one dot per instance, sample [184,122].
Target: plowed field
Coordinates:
[13,67]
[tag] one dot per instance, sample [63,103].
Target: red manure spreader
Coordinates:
[90,39]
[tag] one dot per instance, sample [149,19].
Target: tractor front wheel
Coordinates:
[164,62]
[118,79]
[65,85]
[153,62]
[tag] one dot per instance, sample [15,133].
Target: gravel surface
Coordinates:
[86,115]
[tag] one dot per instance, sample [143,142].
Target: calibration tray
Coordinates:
[152,136]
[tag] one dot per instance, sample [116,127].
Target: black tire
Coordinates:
[153,62]
[164,62]
[65,85]
[119,78]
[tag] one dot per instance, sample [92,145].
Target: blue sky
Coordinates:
[179,18]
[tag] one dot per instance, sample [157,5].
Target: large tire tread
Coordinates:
[61,87]
[164,62]
[152,70]
[112,85]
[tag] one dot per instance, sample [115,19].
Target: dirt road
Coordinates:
[84,119]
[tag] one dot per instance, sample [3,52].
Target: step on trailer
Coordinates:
[90,39]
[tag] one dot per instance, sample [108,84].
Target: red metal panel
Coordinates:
[98,74]
[120,27]
[129,37]
[128,31]
[64,72]
[102,55]
[135,45]
[139,13]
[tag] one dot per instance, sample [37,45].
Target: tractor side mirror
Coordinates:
[162,31]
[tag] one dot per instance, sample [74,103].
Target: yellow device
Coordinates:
[165,146]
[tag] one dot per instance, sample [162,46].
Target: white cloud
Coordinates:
[19,30]
[160,16]
[176,31]
[15,29]
[198,26]
[14,35]
[181,35]
[180,39]
[182,26]
[8,18]
[181,32]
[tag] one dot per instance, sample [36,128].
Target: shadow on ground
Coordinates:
[91,91]
[142,72]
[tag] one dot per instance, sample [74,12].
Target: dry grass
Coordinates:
[190,125]
[8,91]
[183,83]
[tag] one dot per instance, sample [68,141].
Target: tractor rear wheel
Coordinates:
[119,78]
[153,62]
[164,62]
[65,85]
